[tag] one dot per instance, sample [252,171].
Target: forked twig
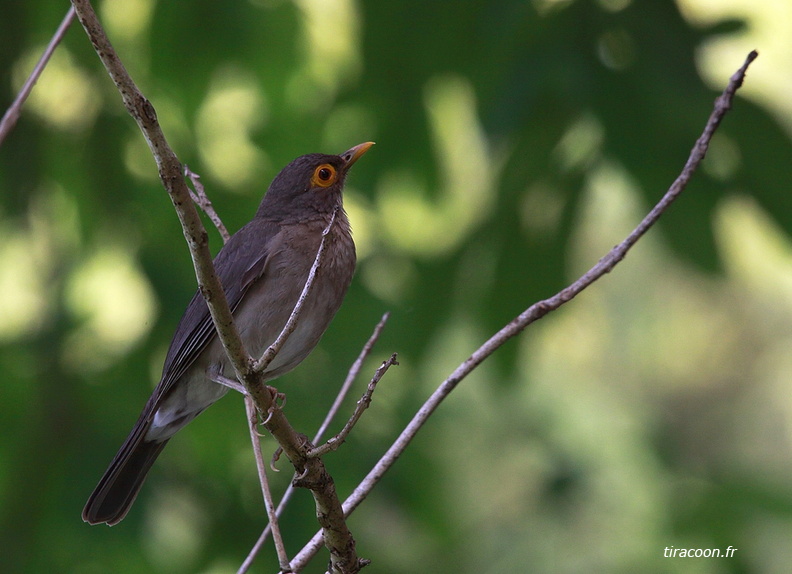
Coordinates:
[362,404]
[354,370]
[202,200]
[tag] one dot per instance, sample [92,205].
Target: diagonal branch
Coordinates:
[202,200]
[15,109]
[171,175]
[291,323]
[365,401]
[354,370]
[538,310]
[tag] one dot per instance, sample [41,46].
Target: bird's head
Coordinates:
[309,185]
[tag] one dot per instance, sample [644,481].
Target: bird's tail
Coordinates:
[118,488]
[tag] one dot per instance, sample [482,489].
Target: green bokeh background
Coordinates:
[517,141]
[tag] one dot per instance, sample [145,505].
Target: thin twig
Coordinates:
[362,404]
[232,384]
[536,311]
[354,370]
[291,324]
[202,200]
[15,109]
[255,439]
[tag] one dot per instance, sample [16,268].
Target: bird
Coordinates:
[263,268]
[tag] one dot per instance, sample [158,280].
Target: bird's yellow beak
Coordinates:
[351,155]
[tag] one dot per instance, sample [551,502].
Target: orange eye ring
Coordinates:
[324,175]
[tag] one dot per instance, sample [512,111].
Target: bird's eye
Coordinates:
[324,176]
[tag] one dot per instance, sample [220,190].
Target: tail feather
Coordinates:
[118,488]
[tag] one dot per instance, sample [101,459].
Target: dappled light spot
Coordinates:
[541,208]
[331,38]
[723,158]
[349,123]
[361,217]
[614,5]
[65,96]
[581,143]
[138,160]
[174,533]
[389,278]
[24,302]
[126,19]
[433,223]
[29,254]
[767,30]
[114,305]
[616,49]
[548,7]
[233,108]
[757,253]
[610,207]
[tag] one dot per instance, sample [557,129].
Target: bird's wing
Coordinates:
[239,264]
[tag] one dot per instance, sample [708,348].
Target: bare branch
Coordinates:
[362,405]
[538,310]
[354,370]
[312,474]
[15,109]
[291,324]
[202,200]
[171,175]
[255,438]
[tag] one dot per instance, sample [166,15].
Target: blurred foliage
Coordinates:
[517,141]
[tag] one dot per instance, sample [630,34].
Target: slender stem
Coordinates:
[362,405]
[202,200]
[291,323]
[354,370]
[15,109]
[255,438]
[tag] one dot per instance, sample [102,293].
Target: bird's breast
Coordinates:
[266,307]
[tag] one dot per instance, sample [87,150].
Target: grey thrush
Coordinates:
[263,268]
